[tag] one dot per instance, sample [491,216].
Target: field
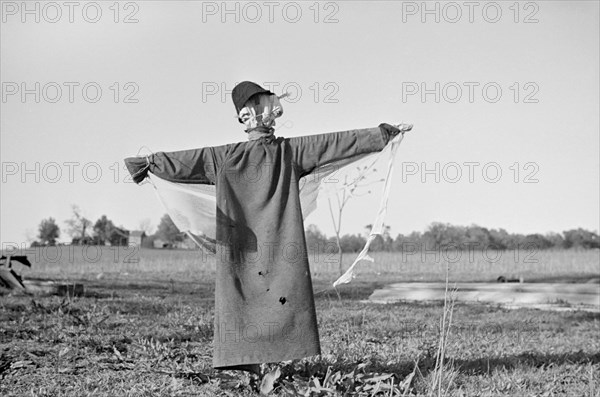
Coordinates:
[144,327]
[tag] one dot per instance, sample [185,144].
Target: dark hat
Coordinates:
[244,91]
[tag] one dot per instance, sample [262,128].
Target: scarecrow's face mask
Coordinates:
[261,111]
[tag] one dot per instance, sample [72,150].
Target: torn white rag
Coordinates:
[192,207]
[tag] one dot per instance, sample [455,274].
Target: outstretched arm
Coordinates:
[315,150]
[184,166]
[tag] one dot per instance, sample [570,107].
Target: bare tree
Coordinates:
[146,225]
[341,197]
[349,190]
[78,224]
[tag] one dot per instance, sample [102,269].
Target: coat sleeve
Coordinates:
[312,151]
[184,166]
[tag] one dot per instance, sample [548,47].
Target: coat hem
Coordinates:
[242,365]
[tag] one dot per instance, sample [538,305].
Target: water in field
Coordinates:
[533,295]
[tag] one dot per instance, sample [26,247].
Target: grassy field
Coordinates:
[144,328]
[122,262]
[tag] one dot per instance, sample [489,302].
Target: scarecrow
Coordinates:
[264,304]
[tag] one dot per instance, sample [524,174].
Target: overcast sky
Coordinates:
[504,99]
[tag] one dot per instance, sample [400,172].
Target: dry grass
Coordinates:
[474,266]
[443,374]
[421,266]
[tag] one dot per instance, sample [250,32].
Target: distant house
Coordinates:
[118,236]
[82,241]
[136,237]
[187,243]
[159,243]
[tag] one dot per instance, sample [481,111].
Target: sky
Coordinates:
[504,98]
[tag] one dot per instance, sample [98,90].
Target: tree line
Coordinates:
[83,231]
[437,235]
[446,236]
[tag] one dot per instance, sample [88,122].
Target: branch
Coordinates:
[331,212]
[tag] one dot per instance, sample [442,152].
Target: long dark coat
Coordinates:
[264,305]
